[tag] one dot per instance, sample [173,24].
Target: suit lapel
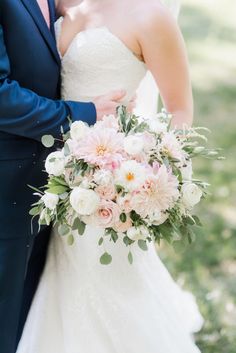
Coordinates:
[34,10]
[52,10]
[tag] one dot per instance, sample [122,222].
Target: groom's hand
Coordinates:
[107,104]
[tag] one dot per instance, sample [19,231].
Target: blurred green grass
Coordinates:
[208,267]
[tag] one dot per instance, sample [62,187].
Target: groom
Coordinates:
[29,108]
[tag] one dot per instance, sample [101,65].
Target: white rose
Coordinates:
[50,200]
[103,177]
[191,194]
[78,130]
[133,145]
[84,202]
[55,163]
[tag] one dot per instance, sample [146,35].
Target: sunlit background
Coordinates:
[208,267]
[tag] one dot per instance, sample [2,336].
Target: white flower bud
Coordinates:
[55,163]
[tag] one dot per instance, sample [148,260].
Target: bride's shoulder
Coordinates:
[153,17]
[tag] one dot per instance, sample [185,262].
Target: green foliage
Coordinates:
[48,141]
[130,258]
[79,226]
[142,244]
[63,229]
[105,259]
[70,239]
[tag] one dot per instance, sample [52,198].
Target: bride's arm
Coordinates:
[164,52]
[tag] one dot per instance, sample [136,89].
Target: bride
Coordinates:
[81,306]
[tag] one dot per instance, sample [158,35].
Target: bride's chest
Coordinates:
[100,50]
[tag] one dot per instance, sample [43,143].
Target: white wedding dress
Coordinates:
[84,307]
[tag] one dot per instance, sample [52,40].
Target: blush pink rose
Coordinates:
[107,215]
[107,192]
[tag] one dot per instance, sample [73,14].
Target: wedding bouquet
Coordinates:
[132,178]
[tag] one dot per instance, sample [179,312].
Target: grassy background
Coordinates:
[208,267]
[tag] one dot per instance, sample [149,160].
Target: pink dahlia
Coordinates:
[101,147]
[158,194]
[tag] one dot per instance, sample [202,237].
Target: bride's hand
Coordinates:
[107,104]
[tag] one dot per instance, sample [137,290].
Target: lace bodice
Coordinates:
[97,62]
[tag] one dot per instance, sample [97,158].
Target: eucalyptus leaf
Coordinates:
[100,242]
[105,259]
[34,211]
[70,239]
[142,244]
[130,258]
[66,150]
[48,141]
[79,226]
[197,221]
[114,235]
[128,241]
[63,229]
[123,217]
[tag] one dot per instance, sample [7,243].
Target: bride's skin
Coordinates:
[148,29]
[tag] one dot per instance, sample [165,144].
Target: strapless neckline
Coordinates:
[97,62]
[95,29]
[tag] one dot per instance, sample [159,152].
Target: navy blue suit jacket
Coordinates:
[29,106]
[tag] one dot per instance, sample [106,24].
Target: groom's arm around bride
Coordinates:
[30,107]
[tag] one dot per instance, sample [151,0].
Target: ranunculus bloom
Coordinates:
[78,130]
[84,202]
[55,163]
[191,194]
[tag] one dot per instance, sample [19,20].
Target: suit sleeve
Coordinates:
[24,113]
